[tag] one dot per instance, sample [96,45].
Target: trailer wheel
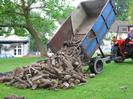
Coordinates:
[96,66]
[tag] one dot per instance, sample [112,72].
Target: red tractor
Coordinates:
[122,48]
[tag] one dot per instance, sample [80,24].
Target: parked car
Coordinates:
[6,56]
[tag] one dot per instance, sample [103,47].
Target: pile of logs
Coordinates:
[14,97]
[62,70]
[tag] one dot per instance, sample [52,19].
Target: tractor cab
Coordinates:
[123,44]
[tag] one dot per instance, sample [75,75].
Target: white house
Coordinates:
[14,45]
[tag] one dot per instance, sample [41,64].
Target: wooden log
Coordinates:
[67,77]
[45,83]
[5,79]
[22,81]
[29,80]
[37,77]
[14,97]
[34,86]
[11,82]
[20,85]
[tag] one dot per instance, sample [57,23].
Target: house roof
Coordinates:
[13,39]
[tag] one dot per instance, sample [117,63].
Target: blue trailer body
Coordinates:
[95,36]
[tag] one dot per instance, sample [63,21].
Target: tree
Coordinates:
[36,17]
[131,12]
[122,7]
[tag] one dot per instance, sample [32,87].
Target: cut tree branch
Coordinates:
[36,7]
[18,13]
[30,3]
[23,3]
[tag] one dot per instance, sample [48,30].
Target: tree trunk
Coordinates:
[31,29]
[37,39]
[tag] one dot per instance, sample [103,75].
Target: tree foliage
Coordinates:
[34,17]
[122,7]
[131,12]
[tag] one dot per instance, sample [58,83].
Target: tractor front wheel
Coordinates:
[115,51]
[119,60]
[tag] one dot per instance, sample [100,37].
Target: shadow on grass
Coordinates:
[128,62]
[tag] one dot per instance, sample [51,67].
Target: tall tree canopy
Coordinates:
[36,17]
[122,7]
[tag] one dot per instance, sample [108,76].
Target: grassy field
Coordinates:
[116,82]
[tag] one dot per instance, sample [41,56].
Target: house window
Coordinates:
[15,52]
[18,50]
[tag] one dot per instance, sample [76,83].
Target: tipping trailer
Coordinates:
[89,22]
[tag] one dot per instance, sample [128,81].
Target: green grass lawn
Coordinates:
[107,85]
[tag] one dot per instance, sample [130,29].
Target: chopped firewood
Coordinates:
[14,97]
[62,70]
